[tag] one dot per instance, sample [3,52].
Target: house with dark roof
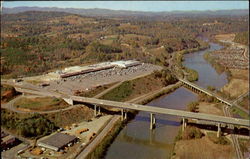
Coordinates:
[57,141]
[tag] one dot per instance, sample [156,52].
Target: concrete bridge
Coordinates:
[229,103]
[152,110]
[194,86]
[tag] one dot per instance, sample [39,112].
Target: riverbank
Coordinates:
[206,145]
[138,95]
[238,78]
[185,72]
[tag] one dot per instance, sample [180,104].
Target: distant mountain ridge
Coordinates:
[108,12]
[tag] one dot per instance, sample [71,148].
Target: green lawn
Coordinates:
[120,92]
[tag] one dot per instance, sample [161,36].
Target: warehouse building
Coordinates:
[57,141]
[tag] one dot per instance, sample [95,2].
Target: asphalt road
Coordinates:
[150,109]
[98,138]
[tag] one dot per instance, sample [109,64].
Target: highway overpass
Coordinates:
[145,108]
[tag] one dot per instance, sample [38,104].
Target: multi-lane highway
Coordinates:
[150,109]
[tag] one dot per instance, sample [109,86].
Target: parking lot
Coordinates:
[91,80]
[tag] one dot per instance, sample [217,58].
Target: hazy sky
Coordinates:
[136,5]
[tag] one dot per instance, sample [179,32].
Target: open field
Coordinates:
[238,84]
[132,89]
[209,108]
[225,37]
[236,87]
[202,148]
[245,102]
[93,92]
[41,103]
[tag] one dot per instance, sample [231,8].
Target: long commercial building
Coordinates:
[76,70]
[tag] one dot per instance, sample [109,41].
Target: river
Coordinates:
[136,141]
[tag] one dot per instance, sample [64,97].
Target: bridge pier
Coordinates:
[184,124]
[99,110]
[152,121]
[123,114]
[219,130]
[96,113]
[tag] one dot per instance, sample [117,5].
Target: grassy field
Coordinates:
[221,140]
[135,88]
[241,113]
[41,103]
[244,145]
[119,93]
[94,92]
[202,148]
[245,102]
[238,84]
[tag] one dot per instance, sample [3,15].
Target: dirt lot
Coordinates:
[202,148]
[226,37]
[209,108]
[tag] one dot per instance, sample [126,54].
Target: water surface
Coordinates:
[136,141]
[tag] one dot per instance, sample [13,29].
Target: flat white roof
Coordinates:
[100,65]
[125,63]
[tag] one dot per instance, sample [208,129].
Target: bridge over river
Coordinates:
[124,106]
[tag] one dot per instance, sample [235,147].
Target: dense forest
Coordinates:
[35,42]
